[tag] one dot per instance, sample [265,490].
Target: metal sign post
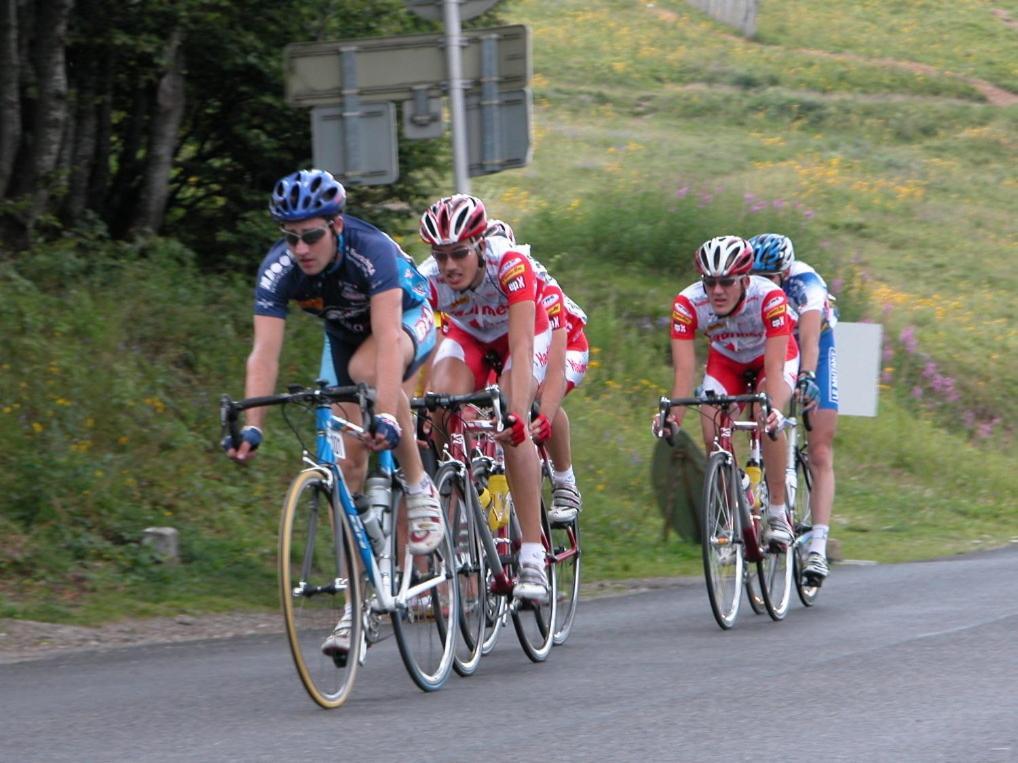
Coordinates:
[459,126]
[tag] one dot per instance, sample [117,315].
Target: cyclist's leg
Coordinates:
[775,452]
[523,472]
[824,420]
[336,356]
[567,495]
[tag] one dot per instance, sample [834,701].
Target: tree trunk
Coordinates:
[50,110]
[10,100]
[163,134]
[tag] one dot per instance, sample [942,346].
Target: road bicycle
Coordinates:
[341,555]
[731,533]
[470,462]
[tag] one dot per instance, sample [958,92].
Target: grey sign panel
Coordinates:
[498,132]
[359,148]
[391,68]
[432,9]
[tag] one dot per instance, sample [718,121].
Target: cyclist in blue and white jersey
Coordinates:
[817,381]
[379,330]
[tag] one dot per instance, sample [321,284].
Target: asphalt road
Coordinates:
[912,662]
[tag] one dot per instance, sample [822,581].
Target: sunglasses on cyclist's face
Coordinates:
[457,254]
[309,237]
[709,282]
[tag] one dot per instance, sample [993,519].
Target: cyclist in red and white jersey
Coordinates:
[747,324]
[491,300]
[567,365]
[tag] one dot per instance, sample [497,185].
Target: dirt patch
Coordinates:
[22,640]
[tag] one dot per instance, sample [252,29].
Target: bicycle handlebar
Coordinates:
[489,396]
[362,394]
[665,404]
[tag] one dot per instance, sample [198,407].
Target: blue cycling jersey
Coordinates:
[806,291]
[368,262]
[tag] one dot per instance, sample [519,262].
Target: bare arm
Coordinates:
[554,388]
[809,340]
[263,363]
[684,361]
[521,350]
[774,366]
[386,328]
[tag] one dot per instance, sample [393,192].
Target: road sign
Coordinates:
[358,147]
[498,131]
[432,9]
[858,352]
[391,68]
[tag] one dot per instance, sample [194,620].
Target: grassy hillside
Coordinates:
[862,129]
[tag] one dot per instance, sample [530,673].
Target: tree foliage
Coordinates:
[168,115]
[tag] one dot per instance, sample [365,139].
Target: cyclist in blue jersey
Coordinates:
[379,330]
[817,382]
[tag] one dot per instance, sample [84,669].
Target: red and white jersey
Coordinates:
[483,311]
[742,335]
[562,311]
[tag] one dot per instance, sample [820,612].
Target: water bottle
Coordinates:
[755,474]
[373,507]
[498,506]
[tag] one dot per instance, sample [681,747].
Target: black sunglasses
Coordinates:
[709,282]
[456,254]
[309,237]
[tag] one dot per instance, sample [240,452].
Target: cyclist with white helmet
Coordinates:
[491,299]
[745,319]
[379,329]
[567,365]
[817,382]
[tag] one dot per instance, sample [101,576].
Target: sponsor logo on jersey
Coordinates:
[681,315]
[774,306]
[315,304]
[509,273]
[275,271]
[364,263]
[515,284]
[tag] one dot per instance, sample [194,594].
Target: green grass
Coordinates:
[655,128]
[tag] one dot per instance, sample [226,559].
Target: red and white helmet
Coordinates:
[454,219]
[500,228]
[724,256]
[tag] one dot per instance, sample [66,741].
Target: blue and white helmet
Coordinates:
[306,194]
[772,253]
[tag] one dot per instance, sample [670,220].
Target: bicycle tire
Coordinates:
[721,539]
[535,622]
[427,624]
[775,574]
[318,578]
[803,524]
[565,550]
[751,580]
[451,488]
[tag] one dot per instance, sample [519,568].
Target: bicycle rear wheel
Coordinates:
[721,539]
[751,578]
[318,580]
[802,521]
[469,567]
[535,621]
[426,621]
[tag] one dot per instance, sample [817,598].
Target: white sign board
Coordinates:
[391,68]
[859,350]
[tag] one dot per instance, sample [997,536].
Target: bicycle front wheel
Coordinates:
[721,539]
[426,616]
[318,583]
[469,567]
[535,621]
[803,524]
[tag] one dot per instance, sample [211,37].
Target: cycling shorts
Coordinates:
[728,377]
[464,347]
[577,355]
[419,324]
[827,372]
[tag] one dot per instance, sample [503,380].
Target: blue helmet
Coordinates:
[306,194]
[772,253]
